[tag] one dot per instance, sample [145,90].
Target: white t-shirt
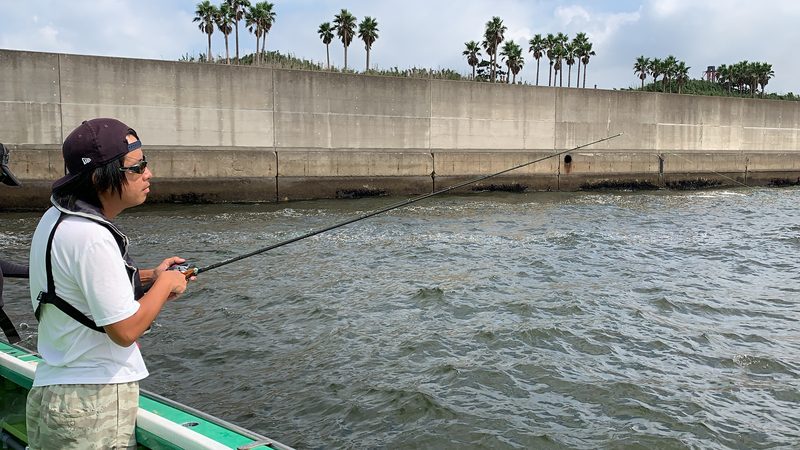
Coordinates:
[89,274]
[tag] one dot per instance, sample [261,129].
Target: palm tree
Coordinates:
[740,75]
[224,19]
[558,55]
[752,74]
[345,27]
[681,73]
[238,8]
[585,53]
[205,14]
[537,47]
[655,67]
[550,44]
[734,71]
[758,74]
[326,34]
[512,53]
[641,67]
[495,30]
[724,77]
[368,32]
[472,52]
[669,72]
[561,53]
[254,20]
[765,72]
[579,42]
[569,58]
[268,18]
[489,47]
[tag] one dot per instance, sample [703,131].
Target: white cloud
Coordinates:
[599,26]
[48,36]
[670,8]
[568,15]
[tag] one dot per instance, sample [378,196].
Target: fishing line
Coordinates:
[190,271]
[716,173]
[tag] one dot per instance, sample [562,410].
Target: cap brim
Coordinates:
[8,176]
[65,180]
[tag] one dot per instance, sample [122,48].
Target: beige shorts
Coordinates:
[82,416]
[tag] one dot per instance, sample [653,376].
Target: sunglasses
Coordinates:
[136,168]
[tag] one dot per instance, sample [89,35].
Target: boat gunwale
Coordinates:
[156,423]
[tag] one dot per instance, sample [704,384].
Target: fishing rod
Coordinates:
[191,271]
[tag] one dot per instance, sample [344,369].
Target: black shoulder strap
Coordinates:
[5,322]
[8,328]
[51,297]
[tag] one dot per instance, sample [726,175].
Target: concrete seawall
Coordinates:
[227,133]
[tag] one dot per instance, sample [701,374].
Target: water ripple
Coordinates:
[544,320]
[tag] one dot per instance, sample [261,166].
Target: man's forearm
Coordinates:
[146,275]
[13,270]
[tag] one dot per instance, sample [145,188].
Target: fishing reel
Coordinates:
[186,269]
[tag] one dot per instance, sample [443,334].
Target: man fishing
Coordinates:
[87,295]
[8,268]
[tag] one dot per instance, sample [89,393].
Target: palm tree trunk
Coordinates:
[584,75]
[569,77]
[208,57]
[367,60]
[328,54]
[494,58]
[642,83]
[264,46]
[537,71]
[561,77]
[345,57]
[256,55]
[578,77]
[227,53]
[237,42]
[473,71]
[550,75]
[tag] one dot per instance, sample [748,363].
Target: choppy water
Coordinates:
[559,320]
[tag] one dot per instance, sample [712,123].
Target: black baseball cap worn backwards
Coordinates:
[93,144]
[6,175]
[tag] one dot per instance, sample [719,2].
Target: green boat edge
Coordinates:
[160,422]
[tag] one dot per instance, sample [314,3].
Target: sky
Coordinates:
[432,33]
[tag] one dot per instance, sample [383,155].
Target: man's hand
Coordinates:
[159,269]
[174,281]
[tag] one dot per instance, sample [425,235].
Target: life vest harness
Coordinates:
[50,298]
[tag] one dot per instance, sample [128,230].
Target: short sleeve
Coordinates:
[100,274]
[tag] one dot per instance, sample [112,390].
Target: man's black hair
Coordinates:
[86,186]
